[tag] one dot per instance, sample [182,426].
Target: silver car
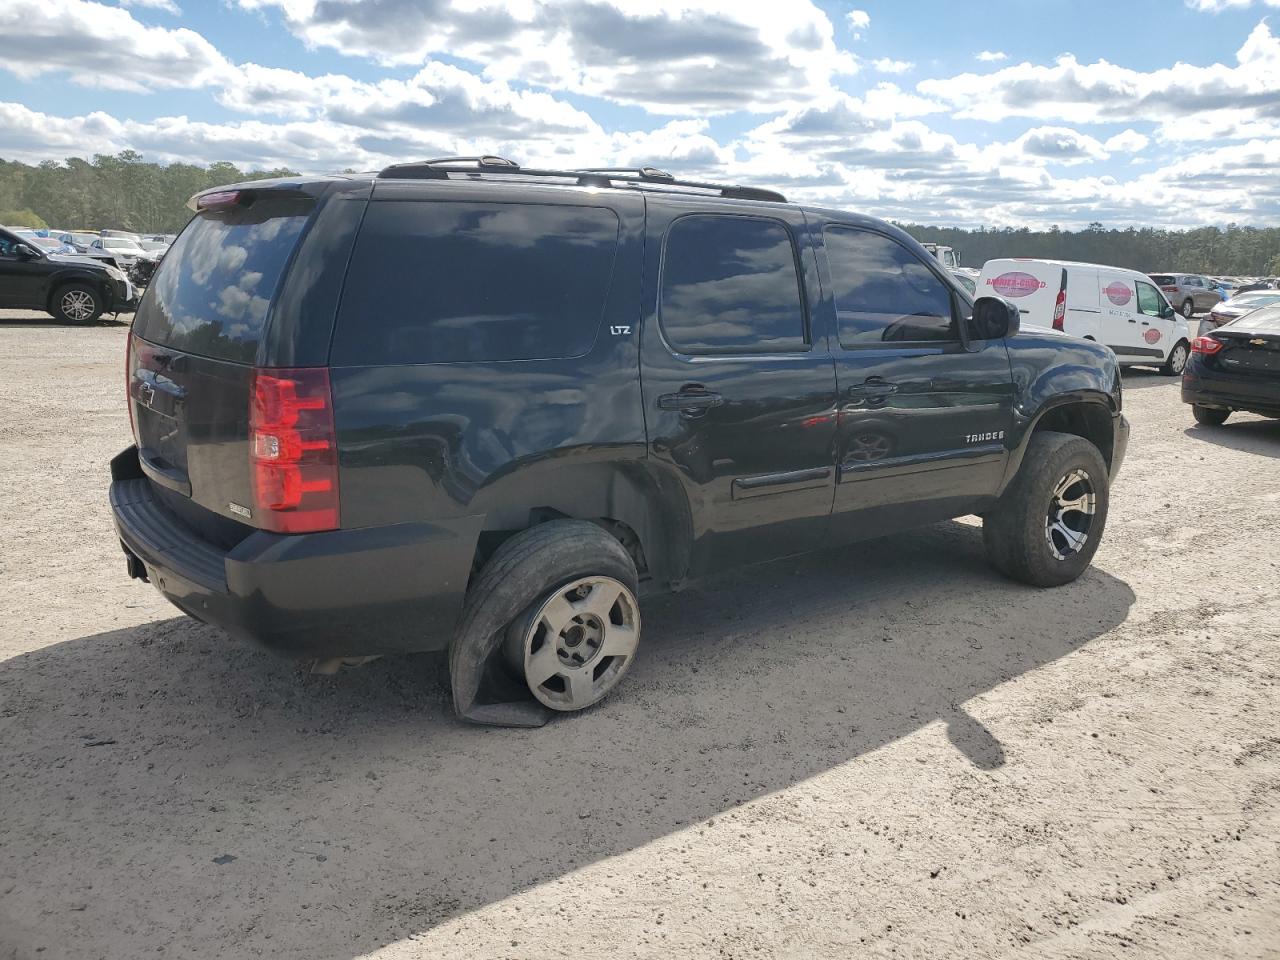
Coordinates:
[1190,293]
[1238,306]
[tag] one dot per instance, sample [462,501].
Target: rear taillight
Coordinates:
[1059,310]
[1206,345]
[293,451]
[1169,289]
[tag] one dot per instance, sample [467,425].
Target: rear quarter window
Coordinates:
[454,282]
[211,293]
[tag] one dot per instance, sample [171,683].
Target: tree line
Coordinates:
[1230,251]
[124,192]
[120,192]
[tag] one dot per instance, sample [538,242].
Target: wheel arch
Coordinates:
[1089,416]
[636,502]
[58,281]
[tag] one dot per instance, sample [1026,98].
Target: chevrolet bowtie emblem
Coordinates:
[1258,343]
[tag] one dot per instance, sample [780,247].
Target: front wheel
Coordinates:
[1047,525]
[77,303]
[1188,308]
[1209,416]
[1177,360]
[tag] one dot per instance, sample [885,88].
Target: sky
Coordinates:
[1004,113]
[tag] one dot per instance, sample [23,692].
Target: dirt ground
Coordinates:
[881,751]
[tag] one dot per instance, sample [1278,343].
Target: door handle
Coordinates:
[871,390]
[691,402]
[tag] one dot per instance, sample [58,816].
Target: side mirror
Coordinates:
[24,252]
[994,318]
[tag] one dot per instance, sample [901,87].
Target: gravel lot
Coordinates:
[879,751]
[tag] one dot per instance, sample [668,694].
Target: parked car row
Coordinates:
[72,287]
[134,254]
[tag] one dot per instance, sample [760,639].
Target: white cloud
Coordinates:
[992,56]
[859,20]
[1217,6]
[168,6]
[885,65]
[1130,141]
[1218,100]
[667,56]
[100,46]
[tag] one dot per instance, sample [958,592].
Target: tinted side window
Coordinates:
[449,282]
[1149,300]
[883,293]
[730,285]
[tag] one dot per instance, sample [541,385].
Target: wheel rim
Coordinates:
[77,305]
[1187,309]
[578,644]
[1070,515]
[1178,361]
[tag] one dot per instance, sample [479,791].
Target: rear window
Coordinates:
[1164,279]
[1264,321]
[211,292]
[450,282]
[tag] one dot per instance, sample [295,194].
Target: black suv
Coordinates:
[463,404]
[74,289]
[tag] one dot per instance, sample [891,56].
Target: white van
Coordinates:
[1118,307]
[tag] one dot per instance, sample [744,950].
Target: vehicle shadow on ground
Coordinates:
[1260,436]
[359,812]
[1141,378]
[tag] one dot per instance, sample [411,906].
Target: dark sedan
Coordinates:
[1236,367]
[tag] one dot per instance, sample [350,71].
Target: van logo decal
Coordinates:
[620,331]
[1118,293]
[1016,284]
[1151,336]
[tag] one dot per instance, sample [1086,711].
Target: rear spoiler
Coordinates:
[242,194]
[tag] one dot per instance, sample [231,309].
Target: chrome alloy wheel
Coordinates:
[77,305]
[578,644]
[1070,514]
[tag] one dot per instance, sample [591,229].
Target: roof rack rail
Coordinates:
[440,168]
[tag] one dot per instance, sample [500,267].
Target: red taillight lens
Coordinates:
[1206,345]
[1059,310]
[293,451]
[1169,289]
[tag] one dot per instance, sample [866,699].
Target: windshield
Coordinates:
[116,243]
[1255,299]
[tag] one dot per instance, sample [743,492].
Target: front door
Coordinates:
[1157,322]
[739,389]
[924,409]
[22,278]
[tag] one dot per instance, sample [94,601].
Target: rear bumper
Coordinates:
[376,590]
[1207,388]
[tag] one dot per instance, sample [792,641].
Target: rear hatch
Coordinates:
[196,337]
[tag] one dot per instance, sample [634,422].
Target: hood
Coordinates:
[77,259]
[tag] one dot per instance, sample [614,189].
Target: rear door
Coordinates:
[197,334]
[924,412]
[739,389]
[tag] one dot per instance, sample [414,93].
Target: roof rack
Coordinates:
[440,168]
